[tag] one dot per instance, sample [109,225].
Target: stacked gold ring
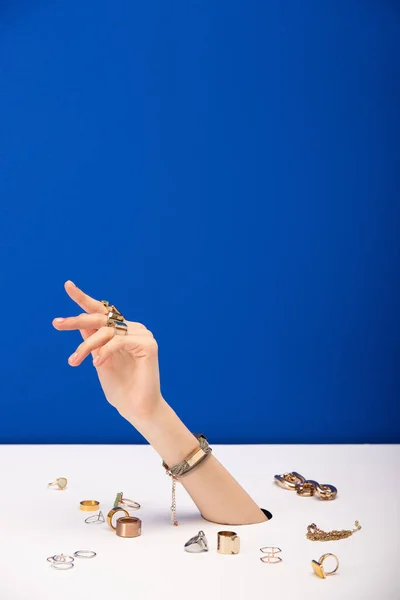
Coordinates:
[115,319]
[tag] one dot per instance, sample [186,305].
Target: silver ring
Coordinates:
[85,554]
[120,328]
[60,558]
[98,518]
[62,566]
[198,543]
[130,504]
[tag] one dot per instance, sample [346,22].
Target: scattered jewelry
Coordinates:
[89,505]
[228,542]
[271,552]
[64,562]
[85,554]
[306,487]
[99,518]
[317,535]
[197,544]
[61,562]
[319,569]
[60,483]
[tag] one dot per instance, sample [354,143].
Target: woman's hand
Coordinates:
[127,365]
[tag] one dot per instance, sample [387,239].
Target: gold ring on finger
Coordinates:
[110,307]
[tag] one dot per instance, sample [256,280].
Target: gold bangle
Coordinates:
[113,512]
[228,542]
[89,505]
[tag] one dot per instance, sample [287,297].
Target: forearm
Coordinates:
[215,492]
[127,367]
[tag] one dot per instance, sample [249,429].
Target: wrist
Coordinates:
[168,435]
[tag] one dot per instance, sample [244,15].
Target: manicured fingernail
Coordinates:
[59,320]
[73,357]
[96,360]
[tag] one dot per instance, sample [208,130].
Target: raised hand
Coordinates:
[127,365]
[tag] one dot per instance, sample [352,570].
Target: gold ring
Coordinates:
[110,307]
[129,527]
[271,552]
[271,559]
[61,483]
[113,512]
[228,542]
[113,314]
[89,505]
[114,317]
[319,569]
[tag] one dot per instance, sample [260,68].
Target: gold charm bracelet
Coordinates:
[317,535]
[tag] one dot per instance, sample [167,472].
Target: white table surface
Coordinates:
[36,522]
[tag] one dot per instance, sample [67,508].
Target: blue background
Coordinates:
[227,172]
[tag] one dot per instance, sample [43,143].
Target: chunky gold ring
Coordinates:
[111,307]
[228,542]
[89,505]
[113,512]
[61,483]
[129,527]
[319,569]
[114,317]
[113,314]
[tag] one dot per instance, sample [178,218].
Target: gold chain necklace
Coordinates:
[317,535]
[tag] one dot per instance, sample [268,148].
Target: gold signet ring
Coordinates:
[319,569]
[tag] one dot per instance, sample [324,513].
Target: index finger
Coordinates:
[89,304]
